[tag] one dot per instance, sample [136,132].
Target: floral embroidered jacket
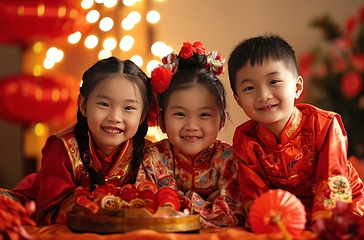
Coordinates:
[310,161]
[62,171]
[209,180]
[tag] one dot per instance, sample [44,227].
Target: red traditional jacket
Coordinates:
[209,180]
[310,161]
[62,171]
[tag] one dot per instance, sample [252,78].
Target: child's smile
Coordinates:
[267,92]
[192,120]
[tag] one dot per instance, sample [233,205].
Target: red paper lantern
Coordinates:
[68,117]
[27,21]
[30,99]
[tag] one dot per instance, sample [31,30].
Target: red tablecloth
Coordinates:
[54,232]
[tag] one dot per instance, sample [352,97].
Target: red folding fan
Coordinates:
[277,211]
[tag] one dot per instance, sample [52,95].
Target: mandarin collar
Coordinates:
[289,129]
[199,160]
[101,155]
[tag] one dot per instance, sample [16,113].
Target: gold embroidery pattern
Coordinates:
[339,189]
[295,123]
[73,149]
[123,167]
[307,151]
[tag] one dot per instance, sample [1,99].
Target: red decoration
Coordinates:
[361,14]
[336,79]
[357,61]
[277,211]
[13,217]
[351,84]
[170,61]
[150,198]
[188,49]
[305,64]
[147,185]
[153,112]
[215,63]
[343,224]
[148,194]
[161,78]
[350,25]
[103,190]
[30,99]
[128,192]
[27,21]
[145,195]
[168,197]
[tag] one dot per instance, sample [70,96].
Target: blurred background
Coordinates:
[46,45]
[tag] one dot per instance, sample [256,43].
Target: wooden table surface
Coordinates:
[56,231]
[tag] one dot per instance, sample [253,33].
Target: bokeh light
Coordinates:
[106,24]
[104,54]
[151,65]
[86,4]
[138,60]
[92,16]
[109,44]
[129,3]
[75,37]
[110,3]
[126,43]
[153,16]
[91,41]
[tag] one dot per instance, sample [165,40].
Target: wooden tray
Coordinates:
[106,221]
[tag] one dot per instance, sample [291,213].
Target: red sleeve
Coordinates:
[252,178]
[332,165]
[251,185]
[54,179]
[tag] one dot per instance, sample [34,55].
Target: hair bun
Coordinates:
[188,49]
[190,56]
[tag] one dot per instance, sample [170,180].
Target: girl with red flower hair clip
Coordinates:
[192,102]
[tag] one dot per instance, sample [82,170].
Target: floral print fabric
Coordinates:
[209,180]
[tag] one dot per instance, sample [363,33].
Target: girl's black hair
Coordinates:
[100,71]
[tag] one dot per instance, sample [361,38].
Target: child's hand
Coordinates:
[213,195]
[185,204]
[84,199]
[189,194]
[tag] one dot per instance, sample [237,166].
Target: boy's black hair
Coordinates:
[257,49]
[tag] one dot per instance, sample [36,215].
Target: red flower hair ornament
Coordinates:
[162,75]
[188,49]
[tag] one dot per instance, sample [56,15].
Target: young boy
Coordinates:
[295,147]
